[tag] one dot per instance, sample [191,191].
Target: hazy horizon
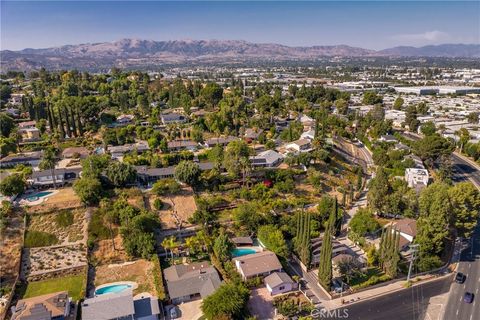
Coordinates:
[372,25]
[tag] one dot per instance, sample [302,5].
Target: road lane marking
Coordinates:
[471,316]
[457,312]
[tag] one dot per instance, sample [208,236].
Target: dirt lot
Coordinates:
[140,272]
[64,199]
[177,209]
[10,245]
[105,253]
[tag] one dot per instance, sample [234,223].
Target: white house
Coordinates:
[310,134]
[301,145]
[416,178]
[266,159]
[279,282]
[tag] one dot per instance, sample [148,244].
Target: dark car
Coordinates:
[460,277]
[468,297]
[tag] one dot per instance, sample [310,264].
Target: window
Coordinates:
[281,287]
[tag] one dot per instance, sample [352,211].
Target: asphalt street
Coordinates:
[406,304]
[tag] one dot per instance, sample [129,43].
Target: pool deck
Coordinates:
[133,285]
[24,199]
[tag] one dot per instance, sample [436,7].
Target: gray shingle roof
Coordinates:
[277,278]
[258,263]
[196,278]
[108,306]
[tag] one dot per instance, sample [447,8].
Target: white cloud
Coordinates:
[434,36]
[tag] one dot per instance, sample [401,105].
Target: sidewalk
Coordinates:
[373,293]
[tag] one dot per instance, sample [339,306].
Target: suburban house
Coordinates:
[147,175]
[252,134]
[408,231]
[177,145]
[279,282]
[306,120]
[337,249]
[310,134]
[223,141]
[416,160]
[388,138]
[27,124]
[75,152]
[189,282]
[125,119]
[258,264]
[242,241]
[119,151]
[169,118]
[301,145]
[266,159]
[416,178]
[29,134]
[28,158]
[120,305]
[43,178]
[55,306]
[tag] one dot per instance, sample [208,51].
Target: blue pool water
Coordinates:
[238,252]
[116,288]
[38,195]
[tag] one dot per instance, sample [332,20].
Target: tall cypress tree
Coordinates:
[325,266]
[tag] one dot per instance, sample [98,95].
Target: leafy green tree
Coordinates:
[370,97]
[212,94]
[89,190]
[428,128]
[235,152]
[363,222]
[273,239]
[433,222]
[432,147]
[12,185]
[223,247]
[227,302]
[397,105]
[48,163]
[379,190]
[166,186]
[120,174]
[137,243]
[6,124]
[465,199]
[94,165]
[473,117]
[188,172]
[7,145]
[248,216]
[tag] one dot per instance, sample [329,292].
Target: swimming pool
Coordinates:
[238,252]
[38,195]
[116,288]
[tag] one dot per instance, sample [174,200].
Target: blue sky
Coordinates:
[373,25]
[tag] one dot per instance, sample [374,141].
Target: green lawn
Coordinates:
[75,286]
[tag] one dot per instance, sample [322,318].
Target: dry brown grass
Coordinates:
[103,251]
[66,234]
[10,247]
[178,209]
[139,272]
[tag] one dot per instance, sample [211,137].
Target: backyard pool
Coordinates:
[38,195]
[238,252]
[116,288]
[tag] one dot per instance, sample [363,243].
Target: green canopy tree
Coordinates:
[227,302]
[12,185]
[120,174]
[187,172]
[465,199]
[89,190]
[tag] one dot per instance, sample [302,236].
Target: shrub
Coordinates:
[39,239]
[158,278]
[64,219]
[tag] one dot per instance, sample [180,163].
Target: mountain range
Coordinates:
[144,53]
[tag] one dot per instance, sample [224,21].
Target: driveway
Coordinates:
[187,310]
[261,304]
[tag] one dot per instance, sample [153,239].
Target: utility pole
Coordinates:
[414,249]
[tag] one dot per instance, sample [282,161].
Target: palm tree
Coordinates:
[48,163]
[170,243]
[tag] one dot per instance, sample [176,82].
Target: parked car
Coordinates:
[173,313]
[460,277]
[468,297]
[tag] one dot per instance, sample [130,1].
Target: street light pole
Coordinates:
[414,248]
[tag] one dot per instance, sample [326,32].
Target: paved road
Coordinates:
[406,304]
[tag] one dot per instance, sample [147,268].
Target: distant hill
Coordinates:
[138,53]
[442,50]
